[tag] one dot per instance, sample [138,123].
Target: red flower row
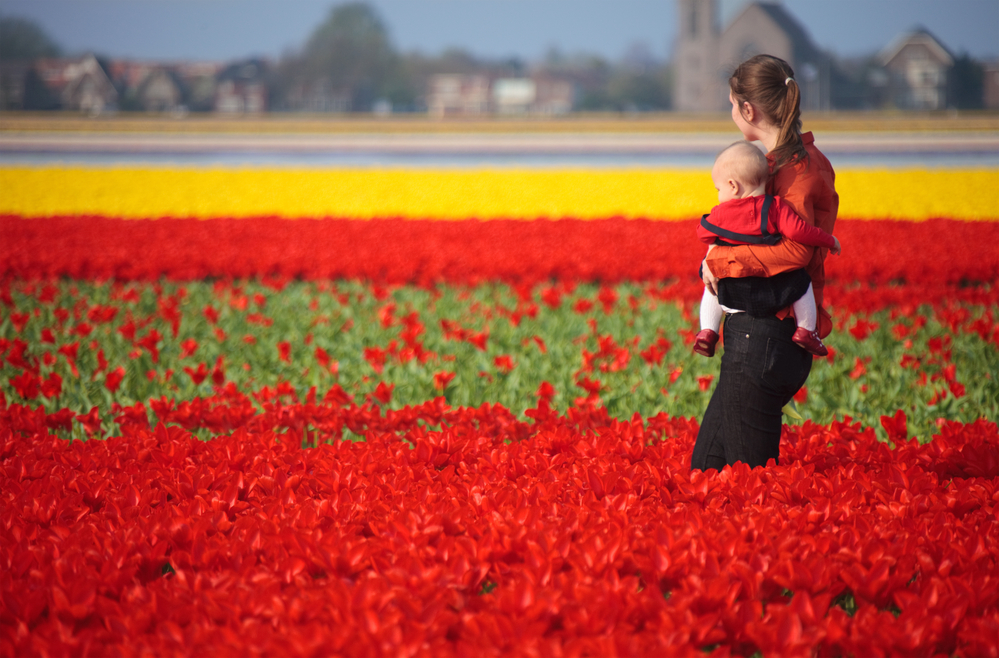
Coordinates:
[930,253]
[569,534]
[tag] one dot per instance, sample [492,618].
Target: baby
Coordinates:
[745,214]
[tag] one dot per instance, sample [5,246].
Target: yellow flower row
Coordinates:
[665,194]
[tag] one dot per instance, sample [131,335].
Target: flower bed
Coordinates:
[400,437]
[476,469]
[489,535]
[664,194]
[425,252]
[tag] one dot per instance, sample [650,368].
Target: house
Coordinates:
[240,88]
[161,90]
[452,94]
[706,55]
[145,86]
[917,65]
[514,95]
[80,84]
[199,80]
[318,96]
[477,95]
[553,97]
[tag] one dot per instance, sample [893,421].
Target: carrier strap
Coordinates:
[765,236]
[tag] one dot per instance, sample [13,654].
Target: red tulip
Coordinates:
[113,379]
[504,363]
[52,385]
[442,380]
[284,351]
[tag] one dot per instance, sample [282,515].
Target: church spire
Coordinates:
[696,56]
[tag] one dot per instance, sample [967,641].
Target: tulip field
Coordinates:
[308,412]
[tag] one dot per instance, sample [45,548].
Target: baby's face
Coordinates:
[721,176]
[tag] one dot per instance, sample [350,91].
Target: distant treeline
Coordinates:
[349,64]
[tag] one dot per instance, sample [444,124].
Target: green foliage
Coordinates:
[966,83]
[501,344]
[351,52]
[21,38]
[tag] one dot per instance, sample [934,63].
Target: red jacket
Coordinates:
[810,189]
[741,221]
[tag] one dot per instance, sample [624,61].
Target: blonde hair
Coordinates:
[745,163]
[768,83]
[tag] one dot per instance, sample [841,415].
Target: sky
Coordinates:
[224,30]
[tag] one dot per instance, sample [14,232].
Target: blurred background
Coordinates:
[378,67]
[487,57]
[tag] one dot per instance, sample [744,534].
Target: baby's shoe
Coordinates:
[705,341]
[810,341]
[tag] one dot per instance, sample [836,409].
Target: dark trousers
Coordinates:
[761,370]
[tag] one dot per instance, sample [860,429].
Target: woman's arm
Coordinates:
[709,279]
[757,260]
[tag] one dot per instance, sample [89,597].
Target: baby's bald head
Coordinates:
[740,170]
[745,163]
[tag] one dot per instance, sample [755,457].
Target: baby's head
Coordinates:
[740,170]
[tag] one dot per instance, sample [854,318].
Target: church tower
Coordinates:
[698,87]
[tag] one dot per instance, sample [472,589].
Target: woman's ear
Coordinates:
[748,111]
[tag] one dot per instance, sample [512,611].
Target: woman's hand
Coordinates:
[837,249]
[710,280]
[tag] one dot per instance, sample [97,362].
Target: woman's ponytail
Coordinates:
[768,83]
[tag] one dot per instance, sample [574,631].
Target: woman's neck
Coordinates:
[767,135]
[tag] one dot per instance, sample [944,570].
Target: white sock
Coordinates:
[804,310]
[711,311]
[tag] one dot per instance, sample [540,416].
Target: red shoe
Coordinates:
[705,341]
[810,341]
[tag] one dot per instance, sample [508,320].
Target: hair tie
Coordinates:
[789,79]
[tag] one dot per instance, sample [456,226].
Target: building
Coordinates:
[164,86]
[699,79]
[514,95]
[241,89]
[706,55]
[161,91]
[553,97]
[199,80]
[451,94]
[990,86]
[917,65]
[317,96]
[477,95]
[79,83]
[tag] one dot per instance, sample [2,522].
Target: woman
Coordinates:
[761,367]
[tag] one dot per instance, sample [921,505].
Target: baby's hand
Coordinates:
[837,249]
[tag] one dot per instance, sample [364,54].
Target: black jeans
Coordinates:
[761,370]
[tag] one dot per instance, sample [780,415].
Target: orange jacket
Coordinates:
[808,187]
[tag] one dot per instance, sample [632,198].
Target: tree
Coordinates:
[629,89]
[351,52]
[23,39]
[37,96]
[966,82]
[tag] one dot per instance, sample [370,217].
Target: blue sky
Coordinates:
[231,29]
